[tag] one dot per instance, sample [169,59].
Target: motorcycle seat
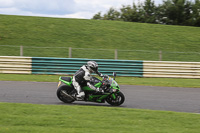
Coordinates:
[66,79]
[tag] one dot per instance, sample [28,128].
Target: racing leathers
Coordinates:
[82,78]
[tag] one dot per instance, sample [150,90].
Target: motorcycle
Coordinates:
[111,91]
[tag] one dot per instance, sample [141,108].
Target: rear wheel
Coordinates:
[118,100]
[63,93]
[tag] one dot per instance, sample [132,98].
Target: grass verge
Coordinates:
[31,118]
[168,82]
[56,33]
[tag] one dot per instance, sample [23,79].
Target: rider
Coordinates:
[82,77]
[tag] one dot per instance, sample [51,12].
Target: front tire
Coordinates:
[120,98]
[61,94]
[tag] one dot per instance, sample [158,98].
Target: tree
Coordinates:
[188,14]
[172,12]
[176,11]
[149,9]
[112,15]
[196,13]
[127,13]
[97,16]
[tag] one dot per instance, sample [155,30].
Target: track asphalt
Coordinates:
[138,97]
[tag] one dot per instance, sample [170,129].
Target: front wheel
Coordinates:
[63,94]
[118,100]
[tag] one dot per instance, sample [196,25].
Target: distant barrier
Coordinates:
[44,65]
[171,69]
[15,64]
[68,66]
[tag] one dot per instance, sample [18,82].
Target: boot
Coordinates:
[80,96]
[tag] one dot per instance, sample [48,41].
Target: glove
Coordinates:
[100,74]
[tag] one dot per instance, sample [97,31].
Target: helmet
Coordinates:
[92,66]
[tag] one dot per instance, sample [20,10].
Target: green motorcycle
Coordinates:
[112,94]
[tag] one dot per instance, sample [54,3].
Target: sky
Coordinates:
[83,9]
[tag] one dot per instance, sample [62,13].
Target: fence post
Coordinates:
[160,55]
[70,52]
[21,50]
[115,54]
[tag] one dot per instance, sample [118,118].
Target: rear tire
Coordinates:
[117,101]
[61,96]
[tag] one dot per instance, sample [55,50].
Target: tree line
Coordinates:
[170,12]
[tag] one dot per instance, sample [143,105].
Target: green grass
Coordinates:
[77,33]
[169,82]
[59,32]
[28,118]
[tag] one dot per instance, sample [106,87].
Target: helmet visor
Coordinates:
[95,69]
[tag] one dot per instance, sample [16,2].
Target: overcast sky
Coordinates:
[84,9]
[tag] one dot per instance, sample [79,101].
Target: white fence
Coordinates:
[171,69]
[15,64]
